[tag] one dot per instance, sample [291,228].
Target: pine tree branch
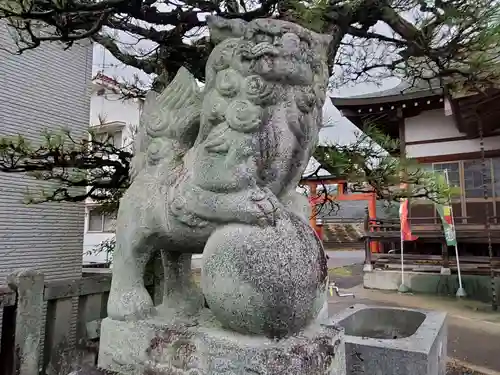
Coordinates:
[69,164]
[147,65]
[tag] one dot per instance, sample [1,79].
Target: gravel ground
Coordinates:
[454,369]
[348,276]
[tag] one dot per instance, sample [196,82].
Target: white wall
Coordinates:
[435,125]
[430,123]
[112,108]
[90,241]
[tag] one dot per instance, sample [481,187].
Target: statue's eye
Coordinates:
[261,38]
[304,45]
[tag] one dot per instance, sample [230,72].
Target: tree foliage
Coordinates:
[98,168]
[105,169]
[445,39]
[369,165]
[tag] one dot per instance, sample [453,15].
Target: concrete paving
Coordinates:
[345,258]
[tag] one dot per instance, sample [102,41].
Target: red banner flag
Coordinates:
[405,224]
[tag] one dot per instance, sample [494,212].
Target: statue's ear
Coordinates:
[222,29]
[149,104]
[320,43]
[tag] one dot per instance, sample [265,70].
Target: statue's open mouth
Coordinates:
[264,49]
[275,63]
[259,50]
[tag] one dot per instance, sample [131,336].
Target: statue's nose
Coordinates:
[290,42]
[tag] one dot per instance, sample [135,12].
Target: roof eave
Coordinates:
[356,101]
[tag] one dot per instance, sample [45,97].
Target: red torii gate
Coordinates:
[314,200]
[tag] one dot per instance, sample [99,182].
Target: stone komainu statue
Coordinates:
[215,172]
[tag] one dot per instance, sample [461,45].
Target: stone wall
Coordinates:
[27,328]
[477,287]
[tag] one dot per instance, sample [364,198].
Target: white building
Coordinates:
[113,117]
[43,89]
[440,132]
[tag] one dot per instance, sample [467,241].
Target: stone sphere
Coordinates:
[265,280]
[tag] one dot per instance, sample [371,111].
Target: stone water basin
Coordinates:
[393,341]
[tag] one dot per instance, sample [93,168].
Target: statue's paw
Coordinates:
[179,209]
[194,221]
[191,220]
[266,206]
[132,304]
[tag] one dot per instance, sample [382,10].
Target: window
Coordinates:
[496,175]
[421,167]
[473,178]
[467,175]
[331,189]
[101,222]
[114,138]
[453,170]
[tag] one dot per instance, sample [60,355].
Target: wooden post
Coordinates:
[402,133]
[368,251]
[368,267]
[8,334]
[312,220]
[372,215]
[340,188]
[445,267]
[320,231]
[29,285]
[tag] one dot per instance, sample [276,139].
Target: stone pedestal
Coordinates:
[203,347]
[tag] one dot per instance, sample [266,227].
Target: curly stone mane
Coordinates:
[267,77]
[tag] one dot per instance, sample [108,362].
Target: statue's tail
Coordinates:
[169,121]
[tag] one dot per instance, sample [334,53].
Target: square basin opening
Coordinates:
[382,323]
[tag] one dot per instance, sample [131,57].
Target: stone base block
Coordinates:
[205,348]
[367,267]
[394,341]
